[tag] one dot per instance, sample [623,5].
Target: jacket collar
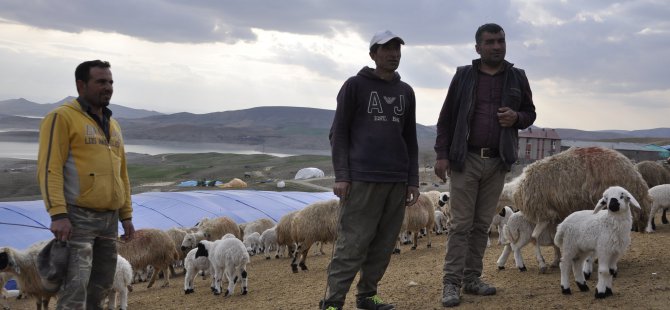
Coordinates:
[86,107]
[477,62]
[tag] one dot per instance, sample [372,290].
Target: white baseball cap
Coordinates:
[384,36]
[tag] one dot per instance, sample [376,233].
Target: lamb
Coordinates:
[193,265]
[440,222]
[22,265]
[660,194]
[606,235]
[227,256]
[269,241]
[556,186]
[259,226]
[123,277]
[445,207]
[517,234]
[253,243]
[654,174]
[499,220]
[316,222]
[211,229]
[150,247]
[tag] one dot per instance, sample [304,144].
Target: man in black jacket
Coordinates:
[477,143]
[375,158]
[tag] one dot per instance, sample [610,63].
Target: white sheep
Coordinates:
[193,266]
[440,222]
[253,243]
[22,265]
[229,257]
[445,207]
[499,220]
[517,234]
[123,277]
[660,194]
[269,241]
[605,235]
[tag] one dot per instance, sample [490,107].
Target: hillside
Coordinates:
[24,107]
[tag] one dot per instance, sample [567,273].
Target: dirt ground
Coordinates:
[413,281]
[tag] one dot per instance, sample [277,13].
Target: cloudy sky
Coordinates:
[592,65]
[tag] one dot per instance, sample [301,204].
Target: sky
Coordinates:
[592,65]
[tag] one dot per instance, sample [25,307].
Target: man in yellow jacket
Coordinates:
[84,183]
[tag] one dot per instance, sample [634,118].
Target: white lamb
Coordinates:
[123,277]
[193,266]
[660,194]
[440,222]
[499,220]
[269,241]
[517,233]
[253,243]
[228,256]
[605,235]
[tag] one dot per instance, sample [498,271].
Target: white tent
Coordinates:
[308,173]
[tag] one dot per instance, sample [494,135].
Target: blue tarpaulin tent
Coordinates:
[162,210]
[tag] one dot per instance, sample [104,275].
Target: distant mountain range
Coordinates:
[288,128]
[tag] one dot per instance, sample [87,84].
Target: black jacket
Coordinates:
[453,125]
[373,136]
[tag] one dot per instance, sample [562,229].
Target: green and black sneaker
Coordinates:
[373,302]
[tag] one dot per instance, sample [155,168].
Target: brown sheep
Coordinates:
[150,247]
[316,222]
[654,174]
[418,216]
[177,235]
[573,180]
[22,265]
[259,226]
[284,238]
[212,230]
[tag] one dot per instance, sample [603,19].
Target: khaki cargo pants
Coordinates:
[92,260]
[369,225]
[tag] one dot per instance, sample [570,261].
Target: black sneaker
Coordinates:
[373,302]
[477,287]
[328,306]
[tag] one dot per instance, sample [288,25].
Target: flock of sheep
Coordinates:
[583,202]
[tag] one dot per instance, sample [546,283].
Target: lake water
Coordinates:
[28,150]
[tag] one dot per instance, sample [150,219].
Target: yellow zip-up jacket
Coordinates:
[76,165]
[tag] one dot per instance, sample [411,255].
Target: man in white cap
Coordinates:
[375,159]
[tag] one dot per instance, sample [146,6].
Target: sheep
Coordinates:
[606,235]
[143,274]
[499,220]
[269,241]
[517,234]
[150,247]
[259,226]
[193,265]
[227,256]
[22,265]
[211,229]
[253,243]
[177,235]
[419,216]
[660,194]
[284,237]
[440,222]
[316,222]
[445,207]
[654,174]
[4,294]
[554,187]
[434,197]
[123,277]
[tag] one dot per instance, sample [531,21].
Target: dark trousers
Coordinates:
[474,195]
[92,260]
[369,224]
